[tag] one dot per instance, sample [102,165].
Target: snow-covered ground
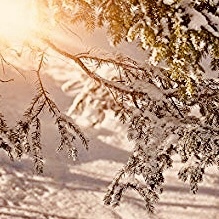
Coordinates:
[75,190]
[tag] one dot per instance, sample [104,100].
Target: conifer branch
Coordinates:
[52,107]
[91,74]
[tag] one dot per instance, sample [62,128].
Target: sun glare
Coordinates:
[16,19]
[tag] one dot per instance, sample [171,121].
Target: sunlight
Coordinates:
[16,19]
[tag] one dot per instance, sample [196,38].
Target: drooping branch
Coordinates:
[52,106]
[120,87]
[25,137]
[77,60]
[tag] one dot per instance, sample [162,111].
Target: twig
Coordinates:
[44,92]
[11,65]
[5,81]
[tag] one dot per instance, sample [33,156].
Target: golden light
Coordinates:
[16,19]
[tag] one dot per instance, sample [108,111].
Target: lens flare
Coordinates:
[17,19]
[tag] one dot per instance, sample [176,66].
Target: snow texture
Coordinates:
[168,2]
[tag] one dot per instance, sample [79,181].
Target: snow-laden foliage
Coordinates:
[158,122]
[155,99]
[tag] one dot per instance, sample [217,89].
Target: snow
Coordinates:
[75,190]
[168,2]
[200,19]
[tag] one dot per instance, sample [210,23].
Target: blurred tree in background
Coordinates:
[156,99]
